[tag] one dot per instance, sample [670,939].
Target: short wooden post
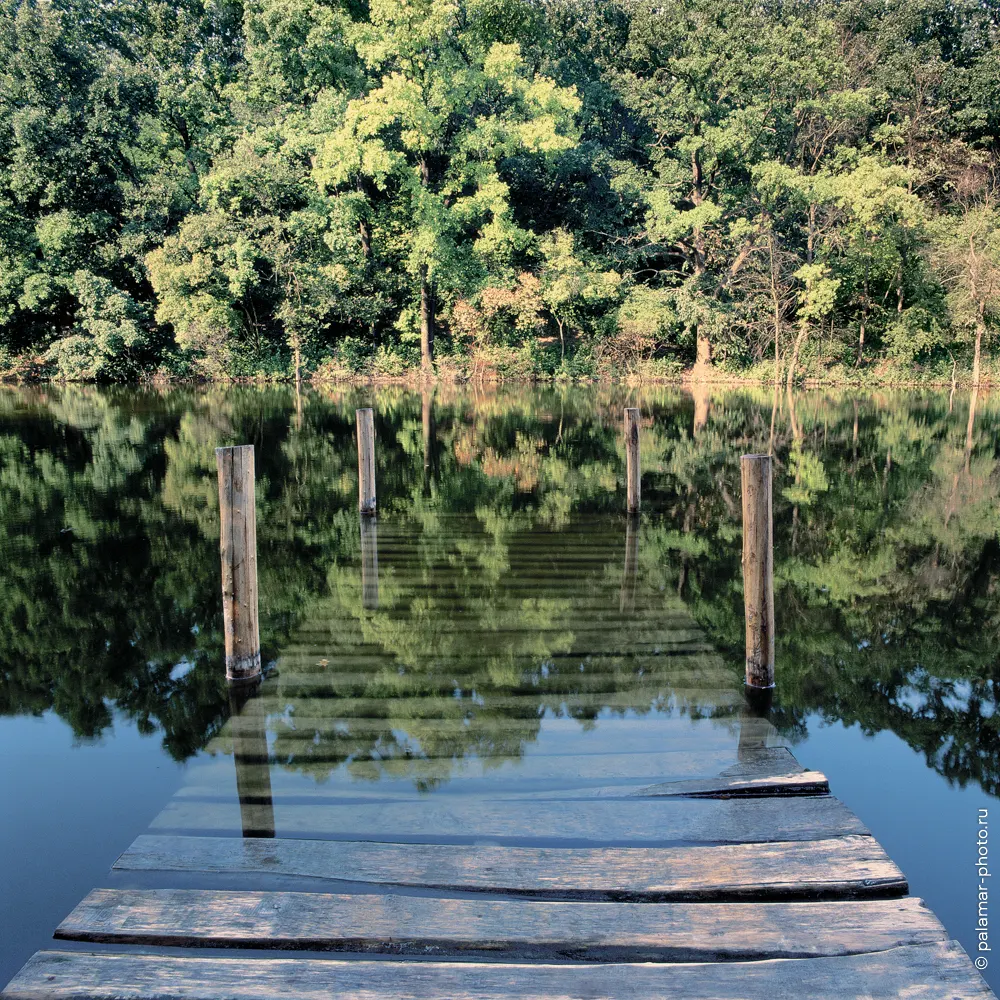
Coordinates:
[366,460]
[632,469]
[758,569]
[369,563]
[238,547]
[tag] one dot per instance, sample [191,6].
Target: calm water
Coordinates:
[511,615]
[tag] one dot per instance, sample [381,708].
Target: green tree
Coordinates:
[966,250]
[450,105]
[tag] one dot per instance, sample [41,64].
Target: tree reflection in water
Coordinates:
[503,566]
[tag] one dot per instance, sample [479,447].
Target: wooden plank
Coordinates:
[555,617]
[441,707]
[445,648]
[562,642]
[759,771]
[854,866]
[772,771]
[512,929]
[537,735]
[452,819]
[804,783]
[384,675]
[320,628]
[938,971]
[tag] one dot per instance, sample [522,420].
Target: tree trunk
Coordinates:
[799,341]
[562,341]
[776,304]
[704,356]
[363,231]
[978,351]
[426,323]
[865,311]
[426,297]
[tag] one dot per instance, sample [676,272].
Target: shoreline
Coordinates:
[418,380]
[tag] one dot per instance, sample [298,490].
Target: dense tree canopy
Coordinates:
[494,188]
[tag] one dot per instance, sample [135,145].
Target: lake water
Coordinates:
[501,613]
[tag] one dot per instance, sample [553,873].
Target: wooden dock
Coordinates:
[692,857]
[733,874]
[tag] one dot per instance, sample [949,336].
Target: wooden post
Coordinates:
[238,546]
[250,757]
[758,570]
[366,460]
[632,469]
[369,563]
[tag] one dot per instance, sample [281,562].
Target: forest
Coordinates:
[495,190]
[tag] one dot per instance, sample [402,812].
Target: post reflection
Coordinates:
[428,434]
[631,570]
[755,723]
[253,772]
[369,563]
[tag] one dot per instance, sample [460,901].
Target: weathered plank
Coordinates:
[544,736]
[440,707]
[804,783]
[758,771]
[938,971]
[383,679]
[461,619]
[679,650]
[444,819]
[854,866]
[511,929]
[770,771]
[323,628]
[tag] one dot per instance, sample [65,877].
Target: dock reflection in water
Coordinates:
[460,672]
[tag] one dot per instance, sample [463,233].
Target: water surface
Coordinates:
[502,610]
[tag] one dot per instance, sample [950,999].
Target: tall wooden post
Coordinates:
[632,469]
[366,460]
[369,563]
[238,546]
[758,569]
